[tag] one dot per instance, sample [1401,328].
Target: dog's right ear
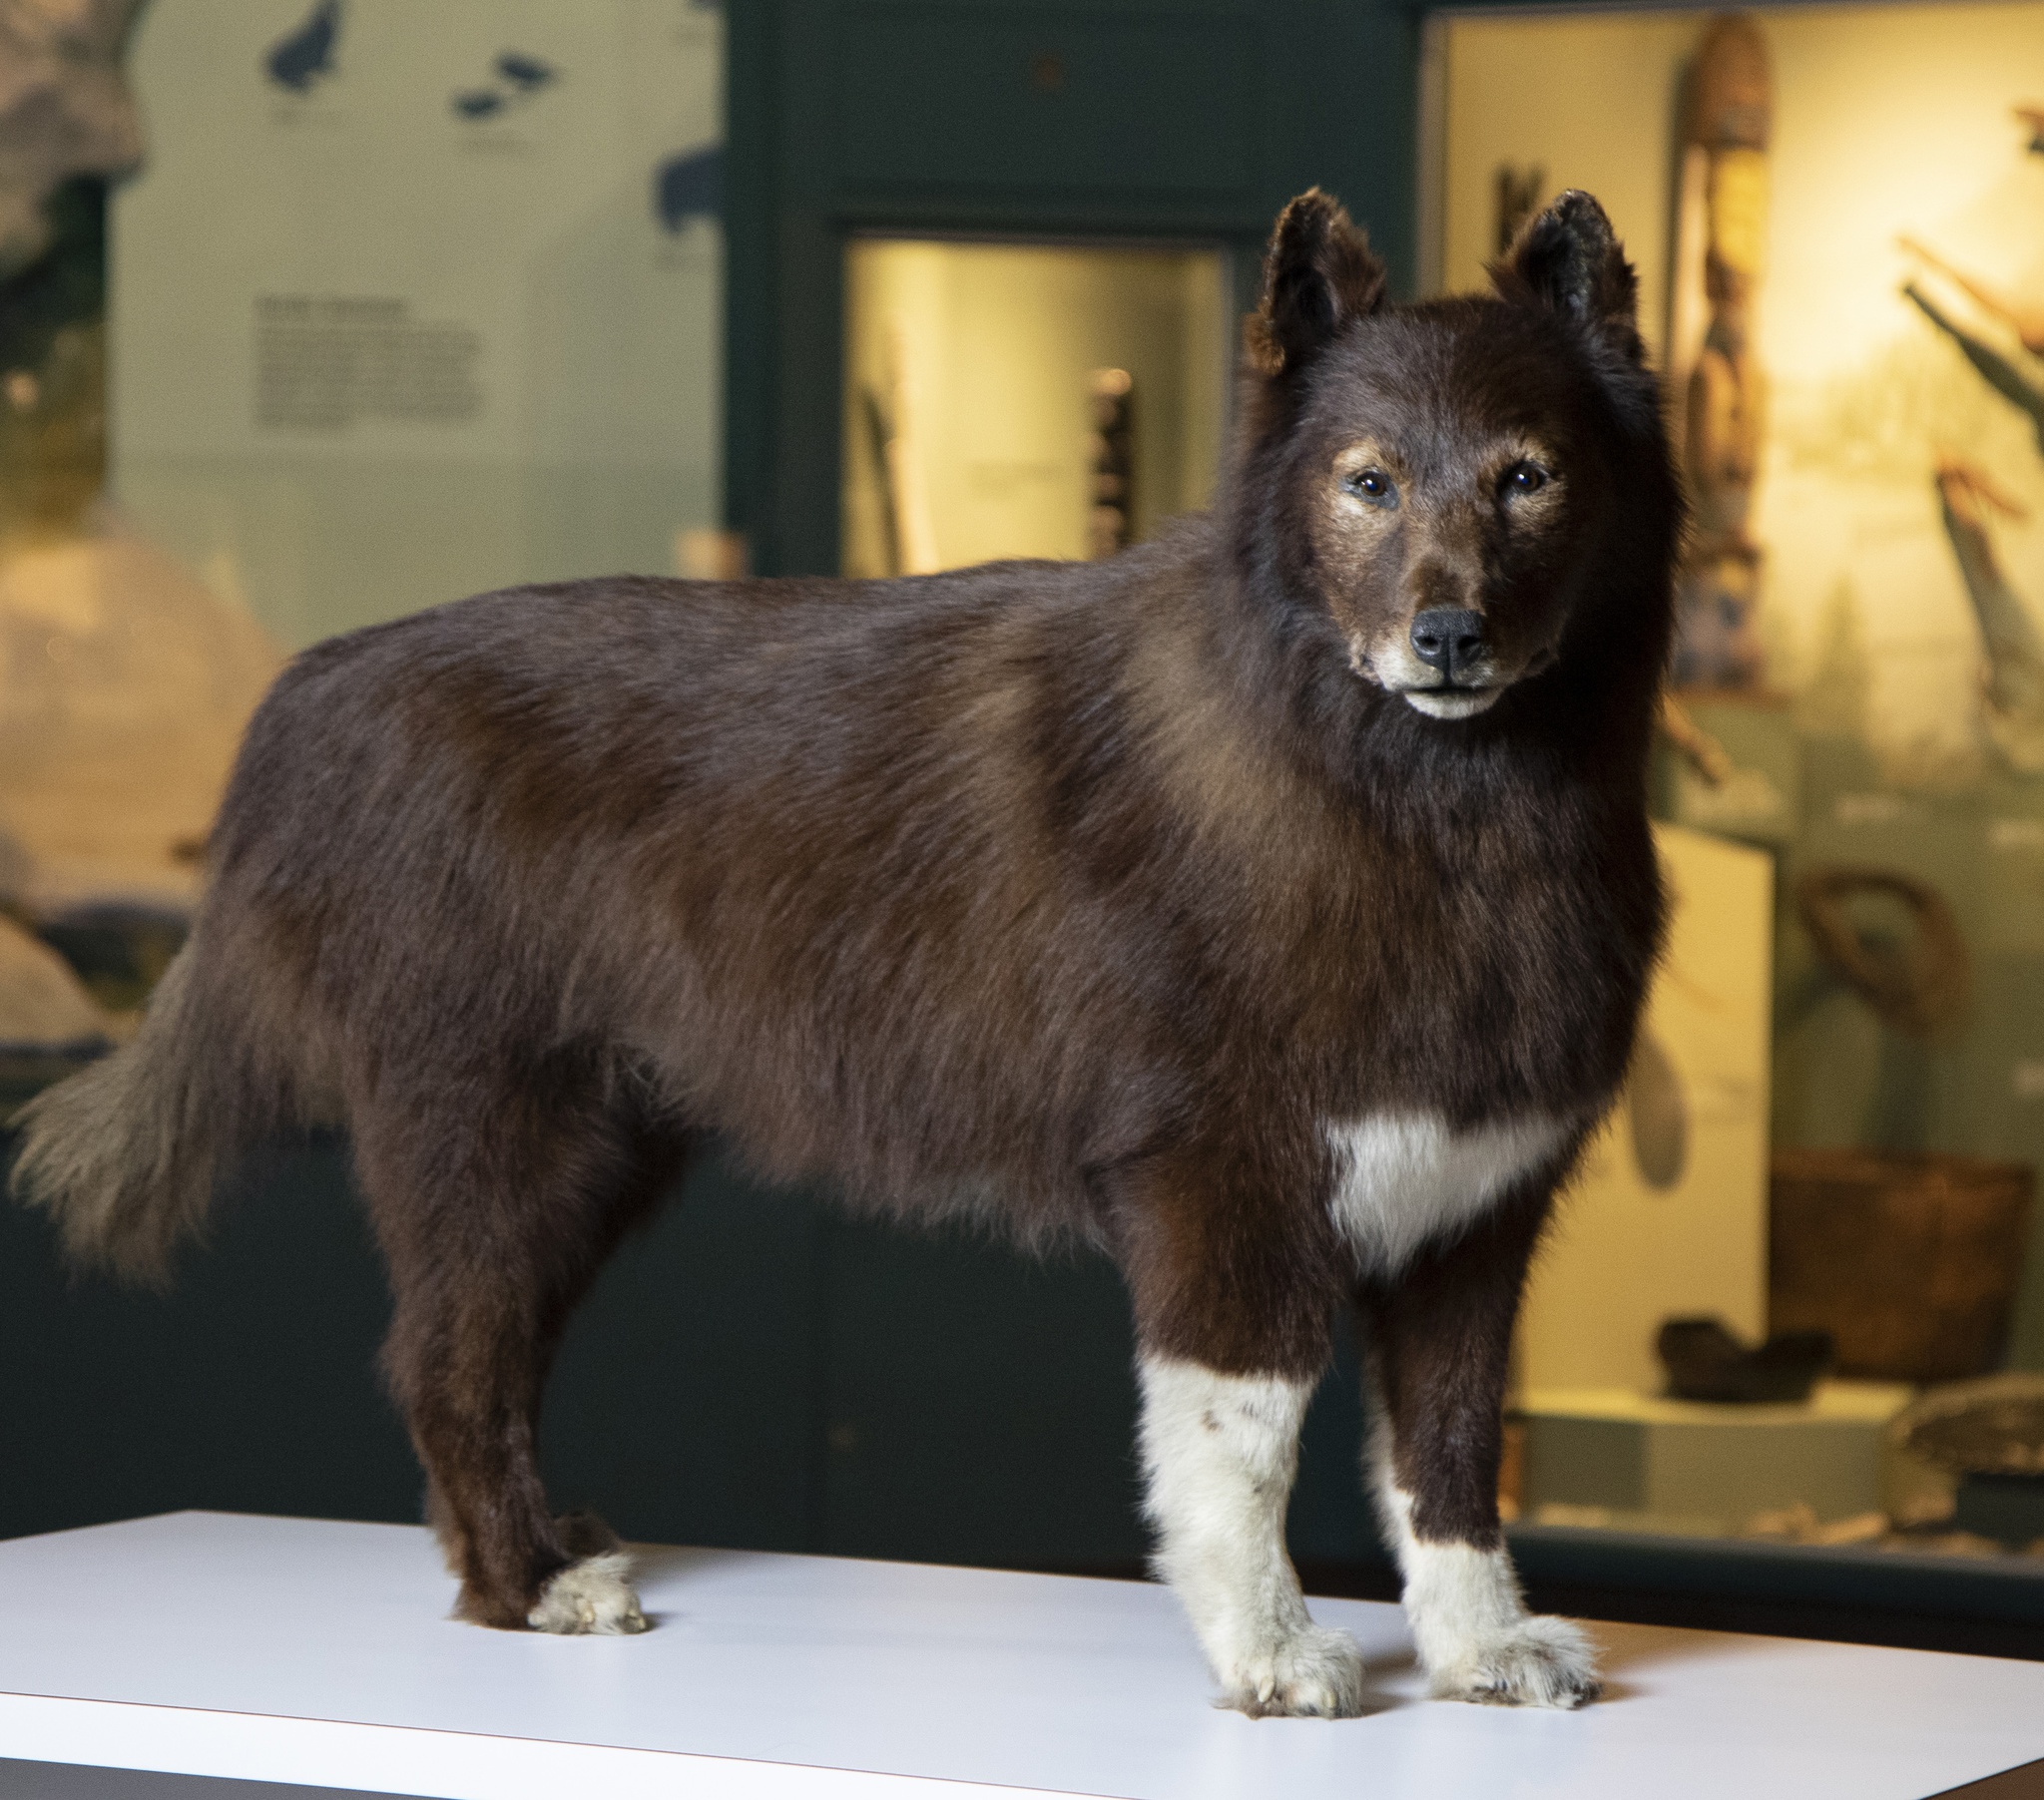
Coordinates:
[1319,274]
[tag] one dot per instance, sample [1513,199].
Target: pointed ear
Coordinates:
[1569,260]
[1319,273]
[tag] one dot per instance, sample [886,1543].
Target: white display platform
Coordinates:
[290,1650]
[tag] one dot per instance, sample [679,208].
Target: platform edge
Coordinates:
[434,1765]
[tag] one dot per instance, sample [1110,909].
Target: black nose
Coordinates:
[1448,639]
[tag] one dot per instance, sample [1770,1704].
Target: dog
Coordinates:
[1270,905]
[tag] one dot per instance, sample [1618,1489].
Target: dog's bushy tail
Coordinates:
[124,1154]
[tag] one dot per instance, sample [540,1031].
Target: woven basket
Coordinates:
[1910,1261]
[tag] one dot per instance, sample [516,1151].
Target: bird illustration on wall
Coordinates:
[518,78]
[300,61]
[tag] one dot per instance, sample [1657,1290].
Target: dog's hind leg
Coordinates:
[1233,1328]
[496,1201]
[1438,1339]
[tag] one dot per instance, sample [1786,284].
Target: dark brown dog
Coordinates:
[1271,906]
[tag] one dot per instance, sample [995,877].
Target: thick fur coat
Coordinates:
[1271,906]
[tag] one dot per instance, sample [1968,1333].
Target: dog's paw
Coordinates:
[592,1595]
[1537,1662]
[1314,1673]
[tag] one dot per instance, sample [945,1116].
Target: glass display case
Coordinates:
[1836,216]
[314,314]
[1026,400]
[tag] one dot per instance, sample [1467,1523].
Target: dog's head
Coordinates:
[1444,479]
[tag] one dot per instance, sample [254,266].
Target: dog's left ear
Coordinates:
[1569,260]
[1319,274]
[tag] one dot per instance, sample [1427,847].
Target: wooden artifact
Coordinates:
[1714,374]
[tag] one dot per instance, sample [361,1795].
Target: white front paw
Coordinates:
[592,1595]
[1313,1672]
[1534,1662]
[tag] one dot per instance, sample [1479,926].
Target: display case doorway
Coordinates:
[1026,399]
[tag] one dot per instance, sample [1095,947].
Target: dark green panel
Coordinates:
[1032,99]
[681,1404]
[800,519]
[981,1407]
[750,190]
[250,1386]
[1332,1519]
[980,1404]
[1341,113]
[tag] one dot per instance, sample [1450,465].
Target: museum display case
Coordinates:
[1838,220]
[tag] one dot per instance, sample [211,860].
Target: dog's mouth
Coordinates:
[1479,690]
[1451,700]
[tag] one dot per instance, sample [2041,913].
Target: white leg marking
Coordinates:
[1476,1639]
[1220,1452]
[591,1595]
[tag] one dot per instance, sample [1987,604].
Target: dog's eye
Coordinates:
[1372,485]
[1525,478]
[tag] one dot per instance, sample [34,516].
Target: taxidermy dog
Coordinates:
[1270,906]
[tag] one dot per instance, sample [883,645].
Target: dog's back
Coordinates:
[863,877]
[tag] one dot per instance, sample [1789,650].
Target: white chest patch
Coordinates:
[1402,1180]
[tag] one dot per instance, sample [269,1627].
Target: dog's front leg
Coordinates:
[1220,1452]
[1233,1328]
[1439,1337]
